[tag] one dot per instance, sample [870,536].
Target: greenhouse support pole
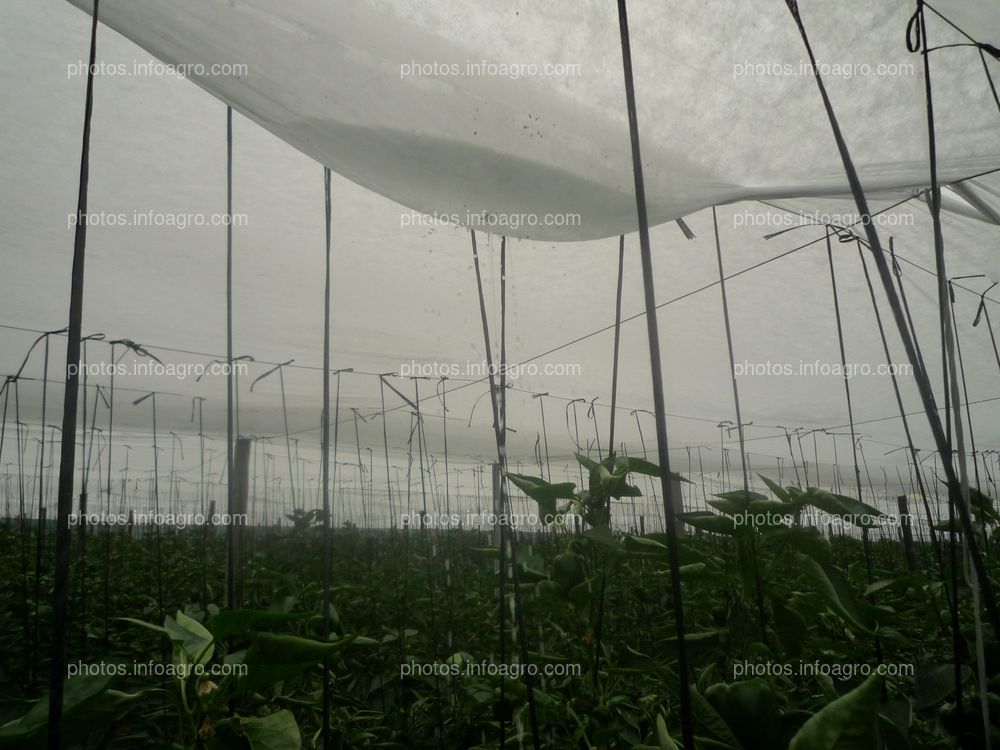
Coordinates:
[904,527]
[617,349]
[325,463]
[60,594]
[958,489]
[497,507]
[656,370]
[229,347]
[237,510]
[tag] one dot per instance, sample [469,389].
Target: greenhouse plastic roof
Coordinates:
[510,108]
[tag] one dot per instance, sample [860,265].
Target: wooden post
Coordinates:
[904,527]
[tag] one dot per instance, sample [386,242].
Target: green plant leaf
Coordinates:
[632,465]
[844,507]
[775,512]
[538,489]
[232,622]
[543,493]
[727,506]
[892,734]
[936,683]
[626,465]
[743,498]
[640,545]
[603,536]
[143,624]
[662,736]
[567,571]
[706,521]
[805,539]
[982,505]
[31,729]
[277,731]
[856,509]
[776,489]
[830,584]
[750,709]
[790,625]
[273,658]
[710,720]
[103,711]
[193,643]
[848,723]
[604,484]
[824,501]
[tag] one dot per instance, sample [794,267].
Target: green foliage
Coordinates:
[600,600]
[848,723]
[302,519]
[608,480]
[277,731]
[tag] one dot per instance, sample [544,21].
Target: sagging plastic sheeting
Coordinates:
[482,112]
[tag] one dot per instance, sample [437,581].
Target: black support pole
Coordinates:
[656,369]
[60,594]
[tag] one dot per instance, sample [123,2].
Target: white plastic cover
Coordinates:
[511,108]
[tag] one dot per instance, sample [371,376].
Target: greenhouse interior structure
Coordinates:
[421,374]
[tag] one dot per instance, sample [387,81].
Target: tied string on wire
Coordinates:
[487,392]
[915,35]
[35,343]
[574,434]
[983,313]
[272,370]
[139,349]
[592,414]
[100,392]
[982,305]
[439,391]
